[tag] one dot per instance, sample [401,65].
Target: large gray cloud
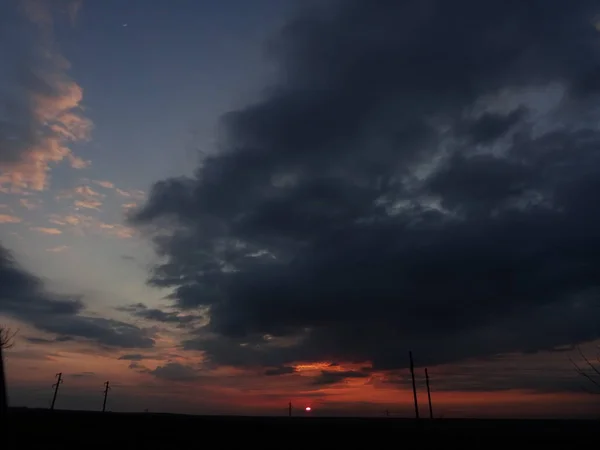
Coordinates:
[421,178]
[24,296]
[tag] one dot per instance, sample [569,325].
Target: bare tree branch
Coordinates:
[593,376]
[7,337]
[594,368]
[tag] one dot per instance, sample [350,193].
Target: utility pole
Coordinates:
[290,409]
[106,388]
[59,381]
[414,385]
[428,394]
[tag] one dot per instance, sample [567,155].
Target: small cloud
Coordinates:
[117,230]
[140,368]
[129,206]
[7,218]
[79,163]
[104,184]
[59,249]
[175,372]
[134,193]
[123,193]
[43,230]
[88,204]
[29,203]
[88,192]
[64,220]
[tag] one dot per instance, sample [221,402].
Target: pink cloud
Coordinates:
[7,218]
[43,230]
[50,116]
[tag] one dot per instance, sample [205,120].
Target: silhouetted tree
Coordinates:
[590,370]
[6,341]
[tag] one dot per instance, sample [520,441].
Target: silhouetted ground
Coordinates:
[73,429]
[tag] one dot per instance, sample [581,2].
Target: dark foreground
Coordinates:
[71,429]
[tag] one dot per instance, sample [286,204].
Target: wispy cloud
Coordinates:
[59,249]
[104,184]
[83,224]
[87,191]
[129,206]
[7,218]
[84,197]
[29,203]
[88,204]
[134,193]
[43,230]
[42,103]
[130,194]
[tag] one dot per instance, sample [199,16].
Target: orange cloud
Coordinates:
[51,231]
[53,117]
[7,218]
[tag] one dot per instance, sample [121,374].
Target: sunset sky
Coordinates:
[225,206]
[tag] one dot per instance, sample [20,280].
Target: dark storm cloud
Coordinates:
[24,296]
[35,340]
[158,315]
[132,357]
[421,178]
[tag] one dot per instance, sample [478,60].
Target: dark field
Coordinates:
[71,429]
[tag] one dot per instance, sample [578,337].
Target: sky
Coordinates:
[222,207]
